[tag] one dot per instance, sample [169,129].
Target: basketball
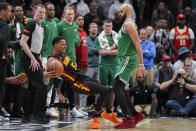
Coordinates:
[56,66]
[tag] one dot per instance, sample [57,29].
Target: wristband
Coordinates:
[141,64]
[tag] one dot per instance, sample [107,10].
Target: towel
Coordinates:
[104,44]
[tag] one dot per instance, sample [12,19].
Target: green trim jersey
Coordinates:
[125,44]
[18,67]
[70,34]
[50,31]
[108,59]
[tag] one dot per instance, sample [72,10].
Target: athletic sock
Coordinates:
[108,109]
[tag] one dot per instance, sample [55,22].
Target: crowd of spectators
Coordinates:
[167,33]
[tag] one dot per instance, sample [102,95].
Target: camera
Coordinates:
[179,75]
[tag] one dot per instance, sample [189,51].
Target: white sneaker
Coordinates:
[52,112]
[4,112]
[75,113]
[83,112]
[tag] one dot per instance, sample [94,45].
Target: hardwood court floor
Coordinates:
[161,124]
[67,123]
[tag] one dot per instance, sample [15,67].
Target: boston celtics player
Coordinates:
[69,31]
[130,58]
[106,44]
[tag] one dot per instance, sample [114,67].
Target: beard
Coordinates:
[123,18]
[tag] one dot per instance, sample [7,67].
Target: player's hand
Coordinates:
[61,98]
[142,69]
[34,64]
[51,74]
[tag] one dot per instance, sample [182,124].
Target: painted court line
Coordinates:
[71,125]
[143,122]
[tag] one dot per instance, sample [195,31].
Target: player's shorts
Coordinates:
[126,66]
[107,74]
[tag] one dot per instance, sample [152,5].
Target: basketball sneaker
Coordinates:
[75,113]
[94,123]
[126,124]
[139,117]
[111,117]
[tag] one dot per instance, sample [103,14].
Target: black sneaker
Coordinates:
[16,116]
[40,120]
[26,119]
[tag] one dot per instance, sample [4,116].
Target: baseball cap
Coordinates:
[183,50]
[181,16]
[166,58]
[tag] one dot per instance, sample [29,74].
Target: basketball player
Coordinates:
[73,77]
[106,44]
[130,58]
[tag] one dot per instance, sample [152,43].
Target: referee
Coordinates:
[31,42]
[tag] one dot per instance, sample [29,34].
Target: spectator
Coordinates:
[149,53]
[161,75]
[149,30]
[59,7]
[161,12]
[183,55]
[191,22]
[73,4]
[81,53]
[93,58]
[181,36]
[5,14]
[175,6]
[140,90]
[117,22]
[104,6]
[92,16]
[82,8]
[82,50]
[189,70]
[160,37]
[115,7]
[181,94]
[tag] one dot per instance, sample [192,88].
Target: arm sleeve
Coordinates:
[29,28]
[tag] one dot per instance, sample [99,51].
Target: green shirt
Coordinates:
[108,59]
[70,34]
[125,44]
[50,31]
[17,49]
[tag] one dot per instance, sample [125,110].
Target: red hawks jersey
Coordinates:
[181,40]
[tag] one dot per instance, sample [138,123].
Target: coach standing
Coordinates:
[5,14]
[31,42]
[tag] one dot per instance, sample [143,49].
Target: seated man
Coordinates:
[182,101]
[78,82]
[164,73]
[139,91]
